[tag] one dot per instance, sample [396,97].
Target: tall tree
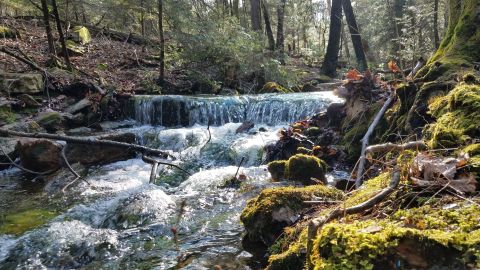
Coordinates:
[436,38]
[48,28]
[355,35]
[161,77]
[235,8]
[331,57]
[268,26]
[61,35]
[280,25]
[256,15]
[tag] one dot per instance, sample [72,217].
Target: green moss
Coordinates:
[82,34]
[304,150]
[277,169]
[272,87]
[473,151]
[369,189]
[20,222]
[293,258]
[323,79]
[313,132]
[74,48]
[257,215]
[304,167]
[457,114]
[7,116]
[435,237]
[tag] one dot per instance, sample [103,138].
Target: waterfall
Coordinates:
[270,109]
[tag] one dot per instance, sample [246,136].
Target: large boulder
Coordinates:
[21,83]
[81,35]
[39,155]
[97,154]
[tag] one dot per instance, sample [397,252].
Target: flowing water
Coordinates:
[121,221]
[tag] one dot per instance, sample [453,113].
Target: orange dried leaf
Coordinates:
[392,65]
[354,75]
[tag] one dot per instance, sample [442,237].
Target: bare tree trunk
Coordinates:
[48,29]
[355,35]
[142,17]
[280,28]
[84,15]
[235,8]
[398,14]
[255,14]
[331,57]
[436,38]
[162,42]
[345,42]
[61,35]
[268,26]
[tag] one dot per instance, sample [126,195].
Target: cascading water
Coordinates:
[120,221]
[268,109]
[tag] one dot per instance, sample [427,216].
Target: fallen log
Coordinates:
[89,141]
[371,128]
[317,223]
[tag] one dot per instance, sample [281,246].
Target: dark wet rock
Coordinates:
[80,89]
[21,83]
[9,146]
[112,125]
[39,155]
[29,126]
[29,101]
[79,106]
[245,127]
[285,148]
[96,154]
[79,131]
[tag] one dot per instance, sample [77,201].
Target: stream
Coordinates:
[121,221]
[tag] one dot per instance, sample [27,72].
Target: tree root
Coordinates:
[316,224]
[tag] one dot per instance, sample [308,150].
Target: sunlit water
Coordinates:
[121,221]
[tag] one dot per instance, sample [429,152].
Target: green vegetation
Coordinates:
[277,169]
[300,167]
[7,116]
[457,116]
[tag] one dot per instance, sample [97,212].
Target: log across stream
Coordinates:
[121,221]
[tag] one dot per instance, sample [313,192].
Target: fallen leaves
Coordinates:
[353,75]
[440,172]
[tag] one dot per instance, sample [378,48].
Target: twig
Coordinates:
[389,147]
[64,157]
[152,160]
[238,168]
[361,164]
[317,223]
[209,136]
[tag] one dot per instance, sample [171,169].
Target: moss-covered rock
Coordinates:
[303,168]
[457,116]
[273,87]
[80,34]
[425,238]
[21,83]
[293,257]
[277,169]
[51,121]
[267,215]
[74,49]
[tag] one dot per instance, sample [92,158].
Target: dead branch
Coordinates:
[67,163]
[391,147]
[316,224]
[21,58]
[361,164]
[152,161]
[89,141]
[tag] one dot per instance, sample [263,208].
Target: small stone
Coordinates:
[21,83]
